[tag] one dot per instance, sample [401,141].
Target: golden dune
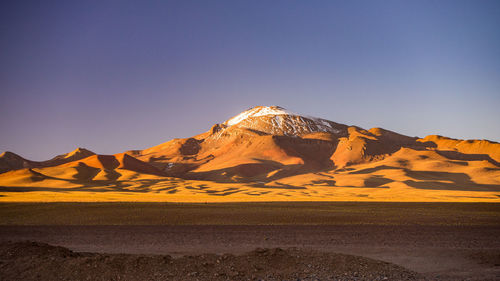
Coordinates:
[267,154]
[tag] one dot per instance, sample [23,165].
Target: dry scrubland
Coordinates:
[241,241]
[270,213]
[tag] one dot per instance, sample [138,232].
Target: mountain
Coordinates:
[267,143]
[10,161]
[270,147]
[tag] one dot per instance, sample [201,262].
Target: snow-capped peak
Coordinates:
[279,121]
[256,112]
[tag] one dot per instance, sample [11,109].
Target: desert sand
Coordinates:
[267,154]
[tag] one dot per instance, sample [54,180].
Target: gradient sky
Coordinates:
[117,75]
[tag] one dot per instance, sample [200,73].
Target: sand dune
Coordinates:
[269,154]
[10,161]
[466,148]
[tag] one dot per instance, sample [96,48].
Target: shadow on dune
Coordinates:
[427,180]
[455,155]
[438,185]
[377,181]
[51,189]
[375,169]
[245,172]
[253,173]
[324,182]
[278,185]
[226,192]
[314,155]
[446,181]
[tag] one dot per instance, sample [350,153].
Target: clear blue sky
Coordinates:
[117,75]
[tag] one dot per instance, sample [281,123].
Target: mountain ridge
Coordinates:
[270,147]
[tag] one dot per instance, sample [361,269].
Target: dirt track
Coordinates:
[437,252]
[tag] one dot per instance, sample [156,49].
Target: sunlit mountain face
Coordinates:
[268,151]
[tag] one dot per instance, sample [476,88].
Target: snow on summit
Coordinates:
[256,112]
[279,121]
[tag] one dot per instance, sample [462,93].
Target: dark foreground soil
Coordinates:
[181,252]
[325,241]
[40,261]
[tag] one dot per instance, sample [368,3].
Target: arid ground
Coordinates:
[266,154]
[241,241]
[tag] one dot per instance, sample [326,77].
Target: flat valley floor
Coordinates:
[251,241]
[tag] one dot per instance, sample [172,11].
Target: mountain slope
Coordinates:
[274,153]
[10,161]
[266,143]
[93,170]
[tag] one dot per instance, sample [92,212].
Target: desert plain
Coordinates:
[250,241]
[265,195]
